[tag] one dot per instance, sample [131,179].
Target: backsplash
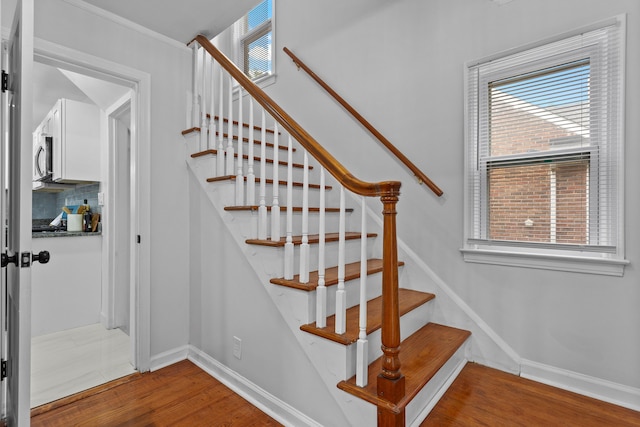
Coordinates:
[49,205]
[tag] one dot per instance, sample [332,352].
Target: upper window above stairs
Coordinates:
[253,40]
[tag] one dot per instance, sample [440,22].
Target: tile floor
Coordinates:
[67,362]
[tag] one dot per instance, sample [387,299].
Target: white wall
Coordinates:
[229,300]
[168,65]
[401,64]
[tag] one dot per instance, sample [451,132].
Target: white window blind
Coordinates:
[544,145]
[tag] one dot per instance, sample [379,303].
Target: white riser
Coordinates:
[352,288]
[409,323]
[273,258]
[332,221]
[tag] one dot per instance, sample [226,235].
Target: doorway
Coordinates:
[124,285]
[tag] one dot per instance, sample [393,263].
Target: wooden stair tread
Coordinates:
[214,152]
[245,125]
[422,355]
[313,239]
[351,272]
[408,300]
[284,209]
[244,139]
[268,181]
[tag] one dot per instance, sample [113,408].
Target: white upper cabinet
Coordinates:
[75,127]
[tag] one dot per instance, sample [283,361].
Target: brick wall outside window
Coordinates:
[520,196]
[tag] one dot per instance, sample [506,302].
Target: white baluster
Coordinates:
[220,150]
[341,296]
[275,206]
[251,177]
[288,247]
[230,151]
[211,136]
[321,290]
[362,355]
[304,246]
[203,109]
[262,210]
[239,172]
[195,110]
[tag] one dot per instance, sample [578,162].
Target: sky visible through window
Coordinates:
[259,50]
[259,14]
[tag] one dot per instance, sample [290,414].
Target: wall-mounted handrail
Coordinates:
[334,167]
[421,176]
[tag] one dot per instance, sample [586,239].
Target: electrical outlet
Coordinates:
[237,347]
[101,198]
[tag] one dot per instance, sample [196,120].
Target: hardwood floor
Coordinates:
[482,396]
[179,395]
[184,395]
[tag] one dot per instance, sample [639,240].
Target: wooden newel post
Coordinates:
[391,382]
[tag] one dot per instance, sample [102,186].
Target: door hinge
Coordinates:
[3,372]
[5,81]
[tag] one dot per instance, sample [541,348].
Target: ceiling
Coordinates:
[179,20]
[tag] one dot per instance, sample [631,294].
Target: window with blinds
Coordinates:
[544,147]
[254,35]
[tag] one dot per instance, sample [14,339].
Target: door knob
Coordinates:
[6,259]
[42,257]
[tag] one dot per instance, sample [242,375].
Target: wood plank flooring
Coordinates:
[482,396]
[179,395]
[184,395]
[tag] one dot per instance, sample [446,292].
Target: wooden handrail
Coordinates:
[390,381]
[296,131]
[421,176]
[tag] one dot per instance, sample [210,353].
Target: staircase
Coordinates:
[347,303]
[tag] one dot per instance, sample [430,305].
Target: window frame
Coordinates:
[241,41]
[590,258]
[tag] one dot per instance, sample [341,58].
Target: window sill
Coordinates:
[547,261]
[262,83]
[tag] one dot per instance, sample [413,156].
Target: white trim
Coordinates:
[257,396]
[575,264]
[125,22]
[607,391]
[108,249]
[140,82]
[169,357]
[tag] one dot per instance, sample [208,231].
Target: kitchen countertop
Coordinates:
[41,234]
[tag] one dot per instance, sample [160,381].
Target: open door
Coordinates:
[16,214]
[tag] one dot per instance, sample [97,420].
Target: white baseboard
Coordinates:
[260,398]
[618,394]
[170,357]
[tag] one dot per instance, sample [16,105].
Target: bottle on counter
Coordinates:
[86,219]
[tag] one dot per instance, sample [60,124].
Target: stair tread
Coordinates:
[214,152]
[313,238]
[235,122]
[268,181]
[244,139]
[351,272]
[423,354]
[283,208]
[408,300]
